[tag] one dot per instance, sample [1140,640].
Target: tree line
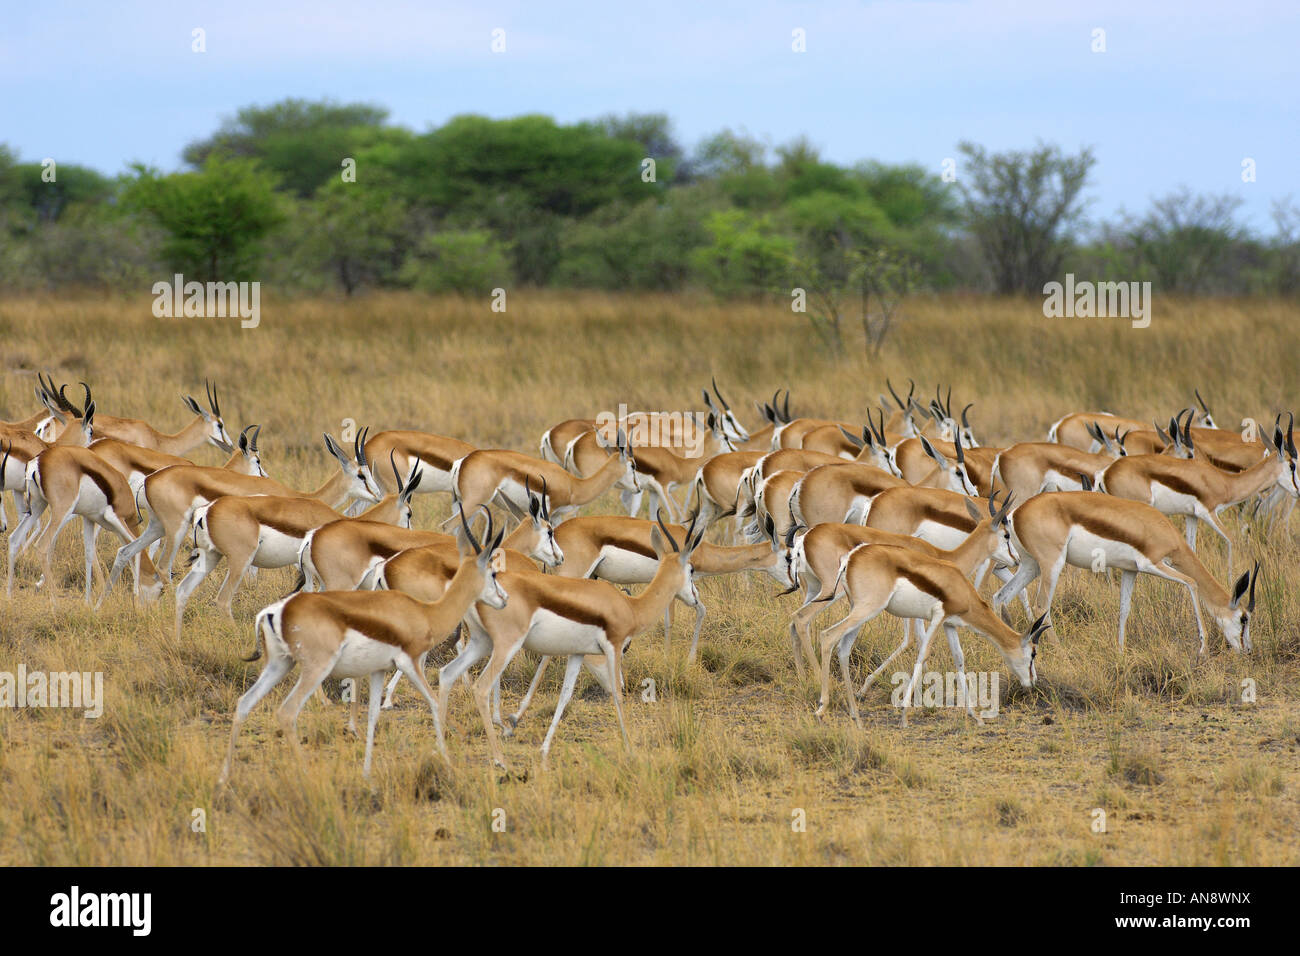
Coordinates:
[321,196]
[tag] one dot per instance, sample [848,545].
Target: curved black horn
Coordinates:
[1250,606]
[725,404]
[86,391]
[397,476]
[470,534]
[660,518]
[964,422]
[1204,407]
[895,394]
[252,441]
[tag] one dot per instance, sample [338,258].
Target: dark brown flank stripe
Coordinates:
[1104,527]
[1175,482]
[290,528]
[633,544]
[559,603]
[374,627]
[102,483]
[922,582]
[961,521]
[441,462]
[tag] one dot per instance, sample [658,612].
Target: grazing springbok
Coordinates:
[1098,532]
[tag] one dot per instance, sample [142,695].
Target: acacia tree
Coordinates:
[214,220]
[1019,208]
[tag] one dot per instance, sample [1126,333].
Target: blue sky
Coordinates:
[1183,93]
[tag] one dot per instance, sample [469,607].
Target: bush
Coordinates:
[471,261]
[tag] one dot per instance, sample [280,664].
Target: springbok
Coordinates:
[1094,531]
[361,634]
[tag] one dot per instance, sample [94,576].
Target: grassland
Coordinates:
[1185,771]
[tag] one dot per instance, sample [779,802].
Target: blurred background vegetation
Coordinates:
[479,203]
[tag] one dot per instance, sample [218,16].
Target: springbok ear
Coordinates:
[930,450]
[974,512]
[856,442]
[334,449]
[414,482]
[193,406]
[1085,481]
[89,414]
[498,561]
[657,542]
[1239,589]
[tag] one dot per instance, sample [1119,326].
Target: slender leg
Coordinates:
[1018,583]
[207,560]
[1004,575]
[858,616]
[372,716]
[272,674]
[501,656]
[89,533]
[513,720]
[612,655]
[959,661]
[1126,581]
[922,649]
[908,624]
[153,532]
[311,676]
[415,671]
[844,649]
[53,532]
[1189,529]
[700,611]
[237,565]
[571,669]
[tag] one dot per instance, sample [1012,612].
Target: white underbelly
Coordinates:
[1054,480]
[90,500]
[942,536]
[1084,549]
[432,478]
[907,600]
[1170,502]
[275,549]
[624,567]
[363,655]
[553,635]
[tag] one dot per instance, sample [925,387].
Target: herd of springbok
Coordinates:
[905,513]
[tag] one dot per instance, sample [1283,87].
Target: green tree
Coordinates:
[471,261]
[214,220]
[745,254]
[303,142]
[356,234]
[1190,244]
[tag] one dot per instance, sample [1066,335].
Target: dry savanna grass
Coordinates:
[728,759]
